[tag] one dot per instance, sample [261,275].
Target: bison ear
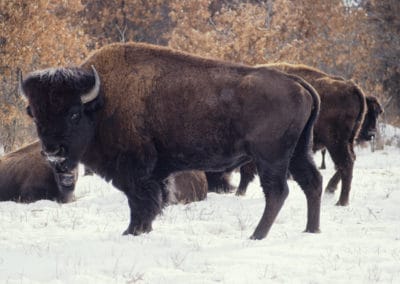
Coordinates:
[28,111]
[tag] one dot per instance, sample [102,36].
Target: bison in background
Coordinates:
[343,108]
[136,113]
[26,176]
[368,129]
[187,186]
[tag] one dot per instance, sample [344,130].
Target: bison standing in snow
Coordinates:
[368,129]
[26,176]
[135,113]
[343,111]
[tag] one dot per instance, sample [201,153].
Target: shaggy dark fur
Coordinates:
[219,182]
[160,111]
[26,176]
[187,186]
[368,128]
[343,109]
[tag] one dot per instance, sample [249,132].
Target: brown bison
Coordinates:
[135,113]
[187,186]
[343,109]
[26,176]
[368,129]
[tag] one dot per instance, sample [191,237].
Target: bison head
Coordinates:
[66,182]
[369,126]
[63,103]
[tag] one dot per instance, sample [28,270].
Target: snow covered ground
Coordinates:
[207,242]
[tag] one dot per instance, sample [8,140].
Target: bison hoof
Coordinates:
[137,230]
[312,231]
[254,237]
[240,193]
[342,203]
[330,189]
[227,189]
[127,232]
[258,235]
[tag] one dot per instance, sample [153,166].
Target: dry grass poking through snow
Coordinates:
[207,242]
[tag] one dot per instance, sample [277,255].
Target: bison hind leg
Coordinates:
[333,182]
[275,187]
[247,174]
[343,156]
[306,174]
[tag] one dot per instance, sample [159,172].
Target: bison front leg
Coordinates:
[247,174]
[347,176]
[145,203]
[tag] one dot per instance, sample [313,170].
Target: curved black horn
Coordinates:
[94,92]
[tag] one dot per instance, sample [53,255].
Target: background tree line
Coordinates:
[356,39]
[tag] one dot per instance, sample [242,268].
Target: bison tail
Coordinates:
[361,115]
[308,128]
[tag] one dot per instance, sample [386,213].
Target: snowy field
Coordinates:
[207,242]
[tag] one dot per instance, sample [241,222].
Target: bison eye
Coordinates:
[75,117]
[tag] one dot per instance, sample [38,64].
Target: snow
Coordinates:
[208,241]
[390,133]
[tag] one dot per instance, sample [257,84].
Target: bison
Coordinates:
[26,176]
[368,129]
[343,109]
[135,113]
[187,186]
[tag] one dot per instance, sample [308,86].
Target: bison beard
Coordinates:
[159,111]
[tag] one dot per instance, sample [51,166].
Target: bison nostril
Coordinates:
[61,151]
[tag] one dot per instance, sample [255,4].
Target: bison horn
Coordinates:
[20,88]
[94,92]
